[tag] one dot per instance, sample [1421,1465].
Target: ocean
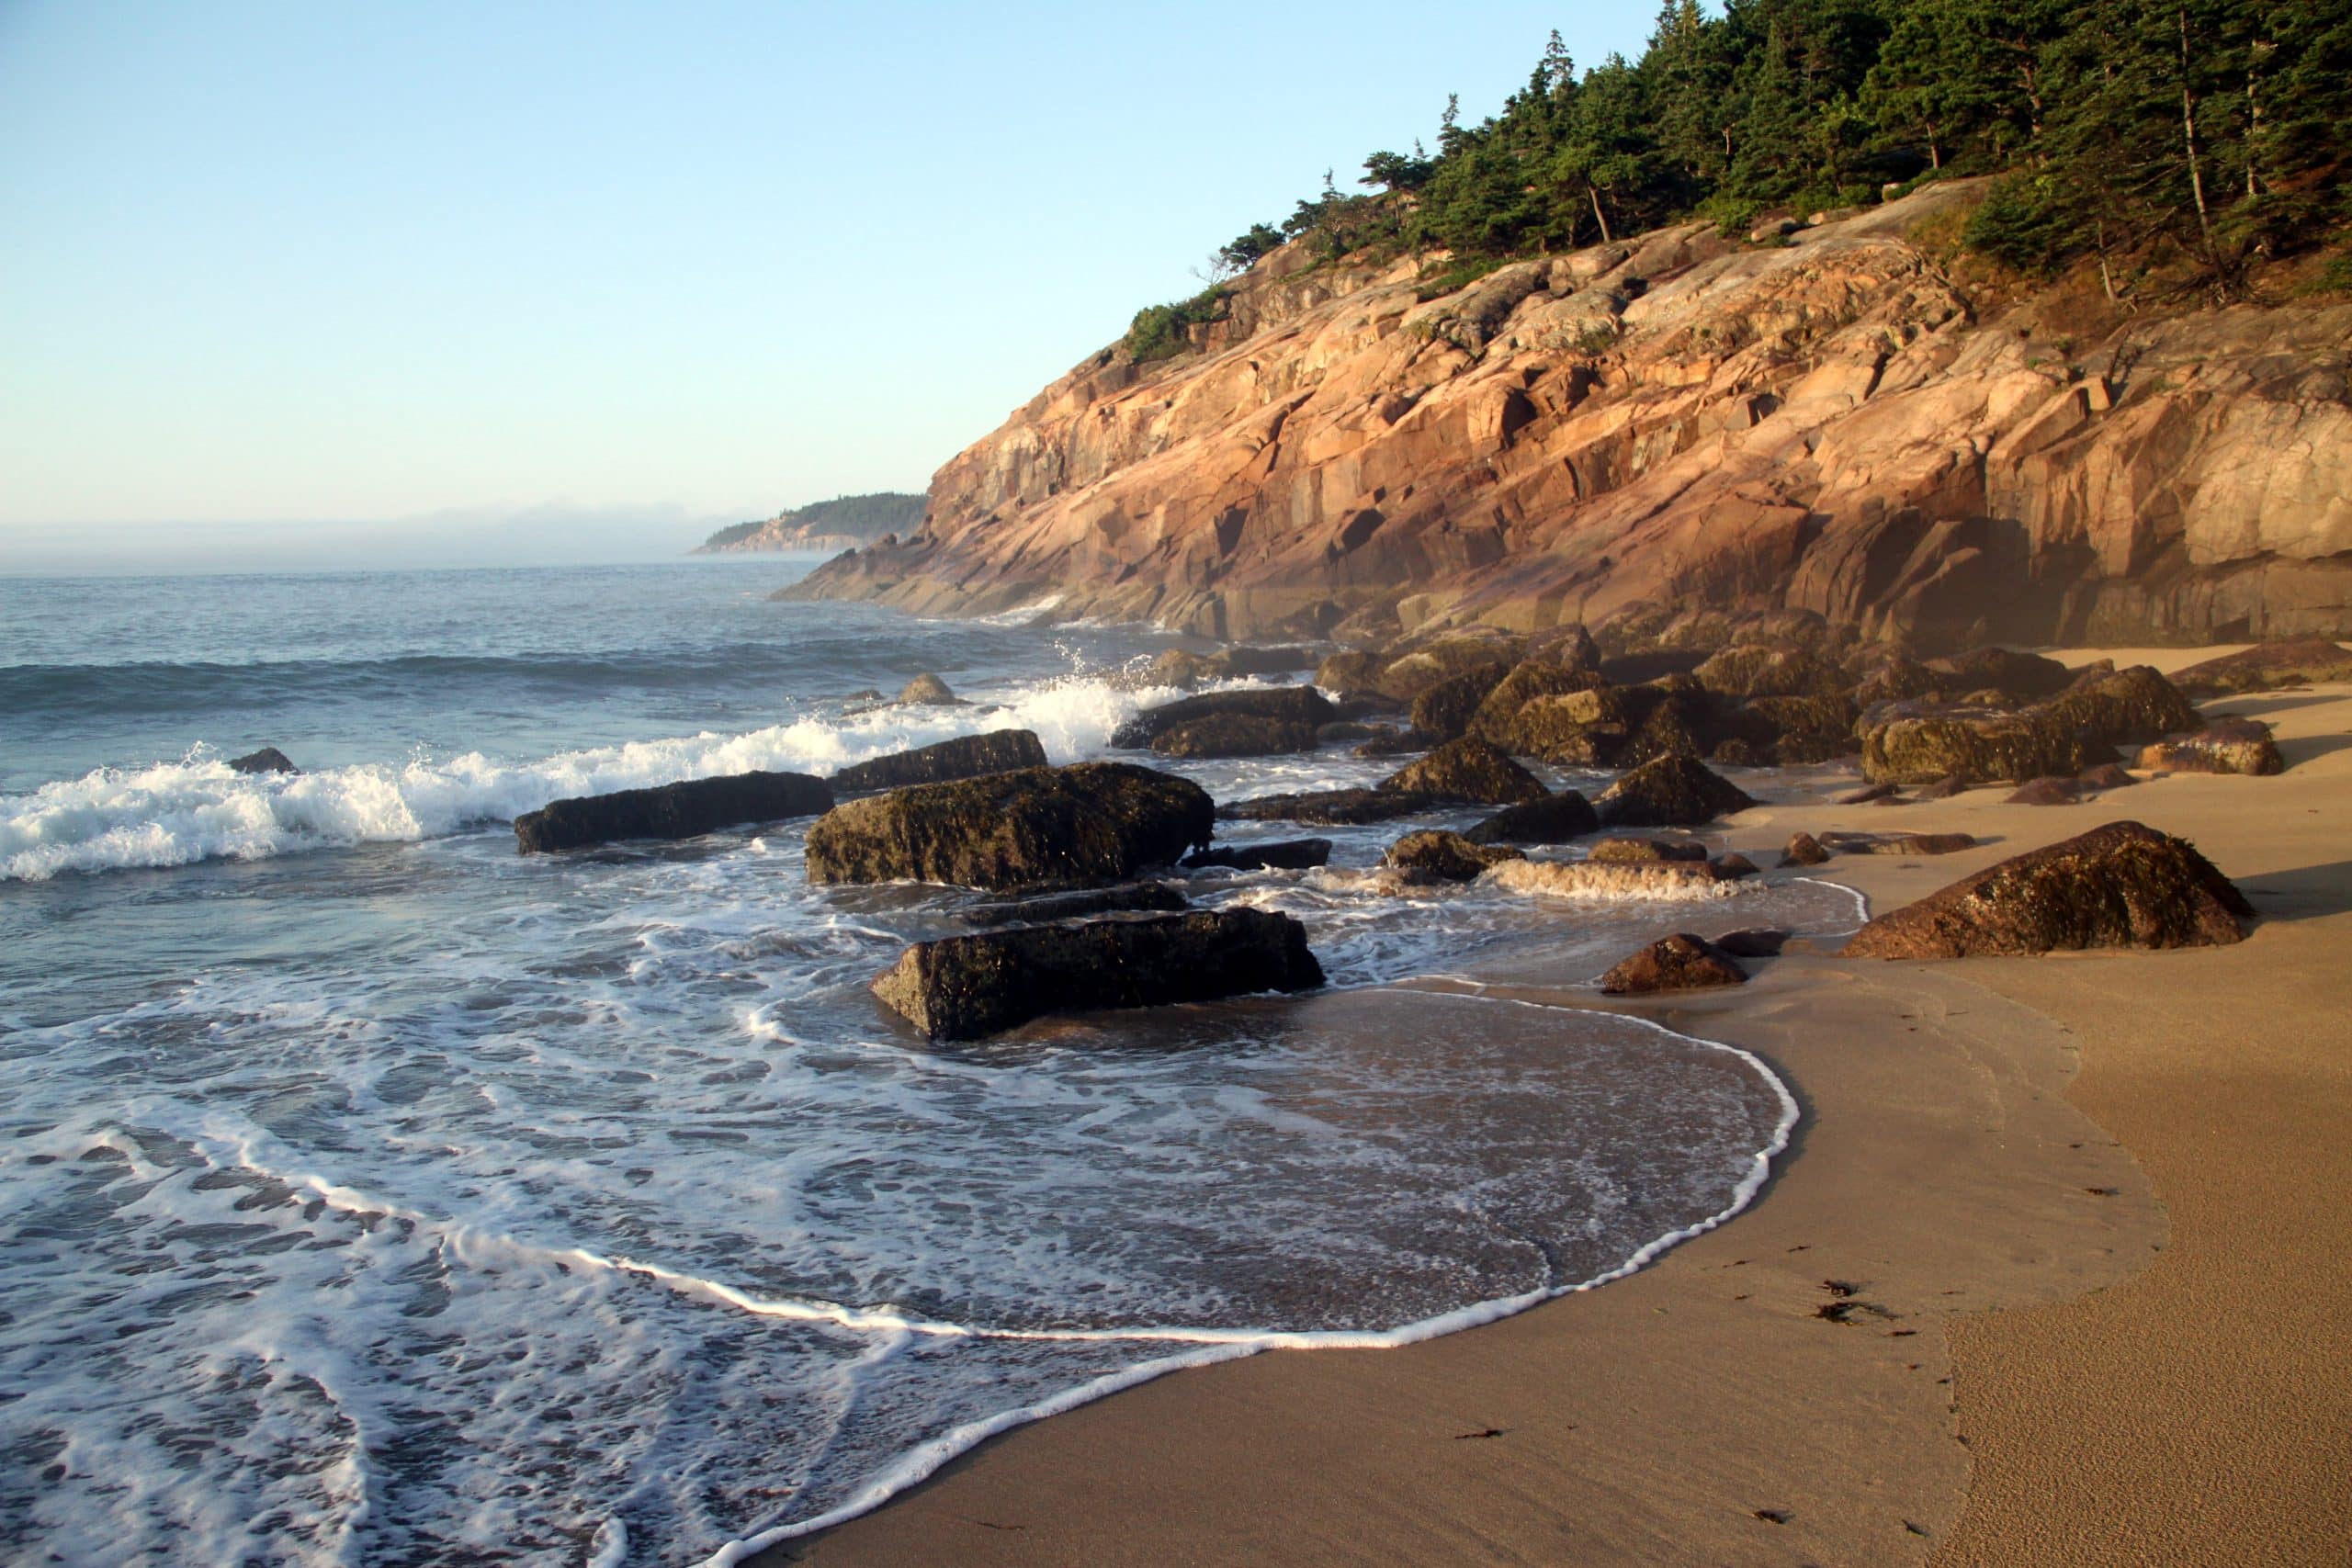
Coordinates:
[369,1192]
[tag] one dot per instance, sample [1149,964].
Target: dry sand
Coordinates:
[2053,1351]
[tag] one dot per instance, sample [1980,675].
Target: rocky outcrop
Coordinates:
[2121,886]
[964,757]
[966,987]
[1555,820]
[1468,770]
[269,759]
[928,690]
[1672,792]
[1679,962]
[1913,743]
[1833,424]
[1301,708]
[1034,831]
[1437,856]
[2267,667]
[1288,855]
[1235,735]
[670,811]
[2232,745]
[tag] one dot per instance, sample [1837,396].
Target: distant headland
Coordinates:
[844,522]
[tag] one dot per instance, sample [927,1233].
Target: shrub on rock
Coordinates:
[1041,828]
[2124,884]
[965,988]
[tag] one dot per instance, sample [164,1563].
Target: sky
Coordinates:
[315,283]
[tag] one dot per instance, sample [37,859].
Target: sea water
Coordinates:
[371,1193]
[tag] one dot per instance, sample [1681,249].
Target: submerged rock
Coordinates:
[1279,704]
[965,988]
[670,811]
[1672,792]
[2121,886]
[1468,770]
[1438,856]
[2232,745]
[966,757]
[1555,820]
[269,759]
[1288,855]
[2267,667]
[1331,807]
[1038,828]
[1127,897]
[1679,962]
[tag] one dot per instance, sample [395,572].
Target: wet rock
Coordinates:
[1283,705]
[1677,720]
[1240,662]
[2268,667]
[1642,852]
[929,691]
[1733,866]
[1807,729]
[269,759]
[1340,732]
[966,757]
[1680,880]
[1898,843]
[2106,775]
[1588,728]
[1895,678]
[2124,884]
[1390,741]
[1334,807]
[2133,705]
[1287,855]
[1753,941]
[1128,898]
[1754,671]
[2047,792]
[670,811]
[1497,714]
[1437,856]
[1803,849]
[1941,789]
[1408,675]
[1867,794]
[966,987]
[2026,675]
[1174,667]
[1679,962]
[1445,709]
[1906,744]
[1737,751]
[1672,792]
[1555,820]
[2231,746]
[1038,829]
[1234,735]
[1351,672]
[1468,770]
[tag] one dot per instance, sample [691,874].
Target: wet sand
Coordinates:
[1992,1310]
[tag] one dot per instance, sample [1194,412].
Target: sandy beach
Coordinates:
[2057,1271]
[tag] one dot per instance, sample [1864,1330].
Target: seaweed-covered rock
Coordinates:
[1342,731]
[1803,849]
[2124,884]
[1390,741]
[2046,791]
[1672,792]
[269,759]
[966,757]
[1555,820]
[2231,746]
[965,988]
[1498,711]
[1349,672]
[1437,856]
[1332,807]
[2267,667]
[1903,744]
[1235,735]
[1642,852]
[2134,705]
[1578,729]
[1679,962]
[1127,897]
[1754,671]
[1807,729]
[670,811]
[1444,710]
[2027,675]
[1038,829]
[1287,855]
[1284,705]
[1468,770]
[1677,720]
[929,691]
[1408,675]
[1894,678]
[1898,843]
[1242,661]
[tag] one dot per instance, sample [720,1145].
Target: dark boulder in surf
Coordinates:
[672,811]
[1671,792]
[1281,705]
[1555,820]
[1469,770]
[1437,856]
[1235,735]
[1128,898]
[965,988]
[966,757]
[269,759]
[1680,963]
[2121,886]
[1288,855]
[1037,830]
[1331,807]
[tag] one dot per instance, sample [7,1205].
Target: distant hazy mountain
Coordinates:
[844,522]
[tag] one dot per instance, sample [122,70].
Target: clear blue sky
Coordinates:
[267,268]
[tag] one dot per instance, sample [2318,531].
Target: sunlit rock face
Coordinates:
[1829,425]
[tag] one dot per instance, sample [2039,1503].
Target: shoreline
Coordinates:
[1958,1187]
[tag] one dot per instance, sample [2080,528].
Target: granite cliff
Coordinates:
[1833,420]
